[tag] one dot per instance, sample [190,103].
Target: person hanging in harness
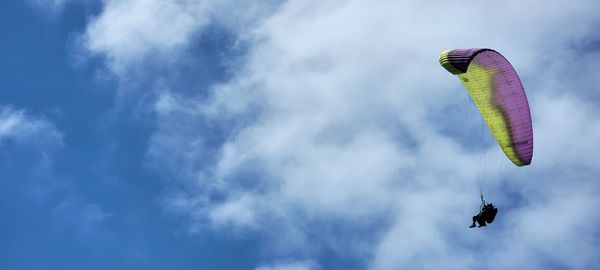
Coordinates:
[487,214]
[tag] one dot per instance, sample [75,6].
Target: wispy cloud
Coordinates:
[83,219]
[131,33]
[39,184]
[288,266]
[127,31]
[53,9]
[50,7]
[23,128]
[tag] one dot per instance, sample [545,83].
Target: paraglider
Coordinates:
[496,89]
[486,214]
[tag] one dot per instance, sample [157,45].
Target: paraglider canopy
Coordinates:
[496,89]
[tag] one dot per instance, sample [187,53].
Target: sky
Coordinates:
[290,135]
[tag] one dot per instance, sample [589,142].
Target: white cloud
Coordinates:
[568,128]
[130,33]
[21,132]
[336,117]
[23,128]
[127,31]
[289,266]
[83,219]
[50,7]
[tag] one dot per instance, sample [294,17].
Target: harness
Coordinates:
[482,202]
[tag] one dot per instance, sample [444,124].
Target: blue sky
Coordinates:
[278,135]
[87,200]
